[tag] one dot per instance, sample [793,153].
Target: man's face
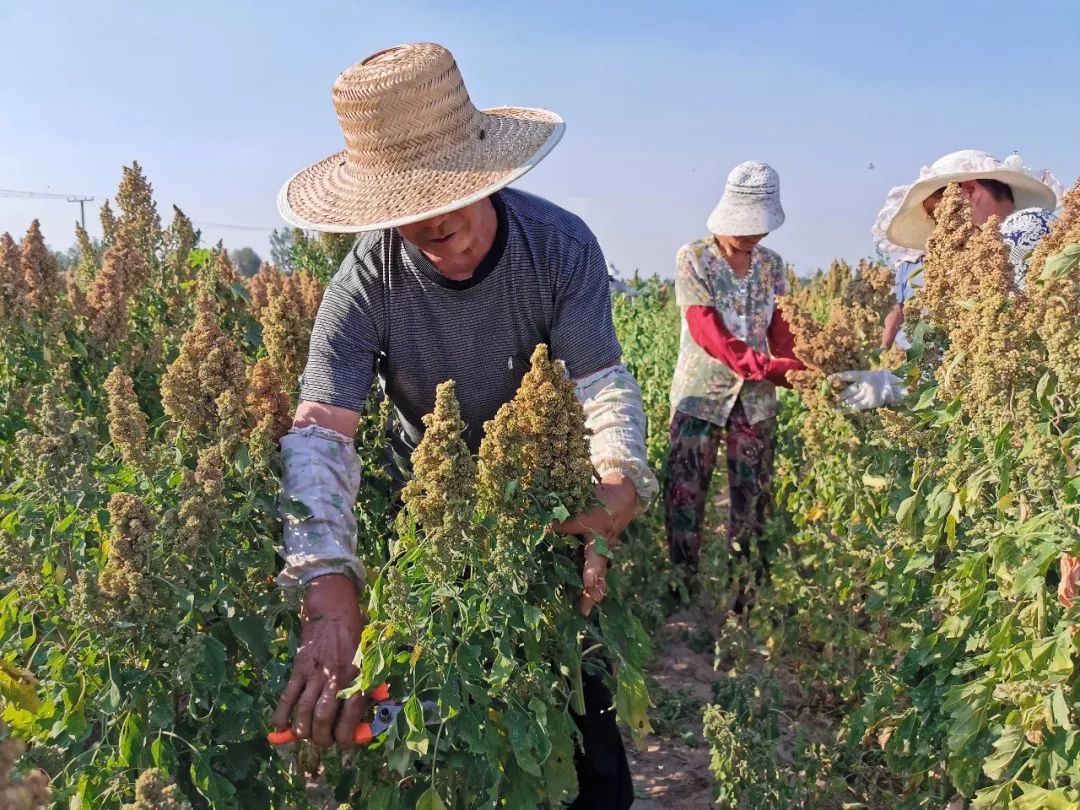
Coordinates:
[447,235]
[983,203]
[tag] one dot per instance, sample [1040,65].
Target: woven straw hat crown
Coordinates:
[415,145]
[402,107]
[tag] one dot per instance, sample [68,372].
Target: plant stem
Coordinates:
[1040,609]
[577,695]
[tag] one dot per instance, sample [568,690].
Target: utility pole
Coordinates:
[81,199]
[82,208]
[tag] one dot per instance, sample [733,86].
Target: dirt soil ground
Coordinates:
[672,770]
[669,773]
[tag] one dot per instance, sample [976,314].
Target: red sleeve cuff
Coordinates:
[781,340]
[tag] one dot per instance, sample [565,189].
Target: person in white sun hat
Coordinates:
[735,349]
[1022,198]
[454,276]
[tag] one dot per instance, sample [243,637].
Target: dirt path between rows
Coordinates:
[671,771]
[668,772]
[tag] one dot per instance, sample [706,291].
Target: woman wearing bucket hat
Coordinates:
[455,277]
[1022,198]
[735,349]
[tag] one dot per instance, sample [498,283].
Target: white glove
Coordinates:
[869,389]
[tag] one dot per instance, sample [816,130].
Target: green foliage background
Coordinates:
[915,552]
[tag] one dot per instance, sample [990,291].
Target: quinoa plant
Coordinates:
[477,613]
[139,524]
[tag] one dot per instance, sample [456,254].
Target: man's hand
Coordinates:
[1069,585]
[618,499]
[593,579]
[332,623]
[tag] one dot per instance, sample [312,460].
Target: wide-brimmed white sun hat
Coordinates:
[910,226]
[751,202]
[415,146]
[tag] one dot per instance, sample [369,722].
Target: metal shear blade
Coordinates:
[385,715]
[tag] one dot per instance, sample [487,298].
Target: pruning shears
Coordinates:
[384,715]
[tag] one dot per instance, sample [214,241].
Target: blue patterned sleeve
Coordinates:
[1022,231]
[583,330]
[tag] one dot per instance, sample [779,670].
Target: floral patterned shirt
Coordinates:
[703,386]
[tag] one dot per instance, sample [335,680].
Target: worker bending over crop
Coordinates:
[456,277]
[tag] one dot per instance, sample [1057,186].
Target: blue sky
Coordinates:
[222,101]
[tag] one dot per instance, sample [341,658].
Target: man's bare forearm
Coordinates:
[893,321]
[328,594]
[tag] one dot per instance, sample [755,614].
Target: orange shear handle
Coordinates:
[361,736]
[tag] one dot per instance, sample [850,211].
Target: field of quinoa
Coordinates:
[908,649]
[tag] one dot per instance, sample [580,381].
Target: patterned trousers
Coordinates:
[694,445]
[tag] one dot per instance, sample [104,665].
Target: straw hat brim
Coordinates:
[912,226]
[335,197]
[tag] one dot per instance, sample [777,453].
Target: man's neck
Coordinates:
[1004,209]
[461,266]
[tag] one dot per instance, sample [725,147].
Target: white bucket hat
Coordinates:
[751,202]
[908,224]
[415,146]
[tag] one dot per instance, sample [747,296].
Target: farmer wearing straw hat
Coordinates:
[735,349]
[454,276]
[1021,197]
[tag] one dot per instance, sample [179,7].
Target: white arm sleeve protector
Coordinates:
[615,415]
[320,475]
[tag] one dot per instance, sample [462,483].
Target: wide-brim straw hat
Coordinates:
[415,146]
[911,226]
[751,202]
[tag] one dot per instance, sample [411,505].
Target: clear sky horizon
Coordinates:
[222,102]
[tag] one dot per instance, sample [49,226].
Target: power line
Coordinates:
[48,195]
[81,199]
[229,227]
